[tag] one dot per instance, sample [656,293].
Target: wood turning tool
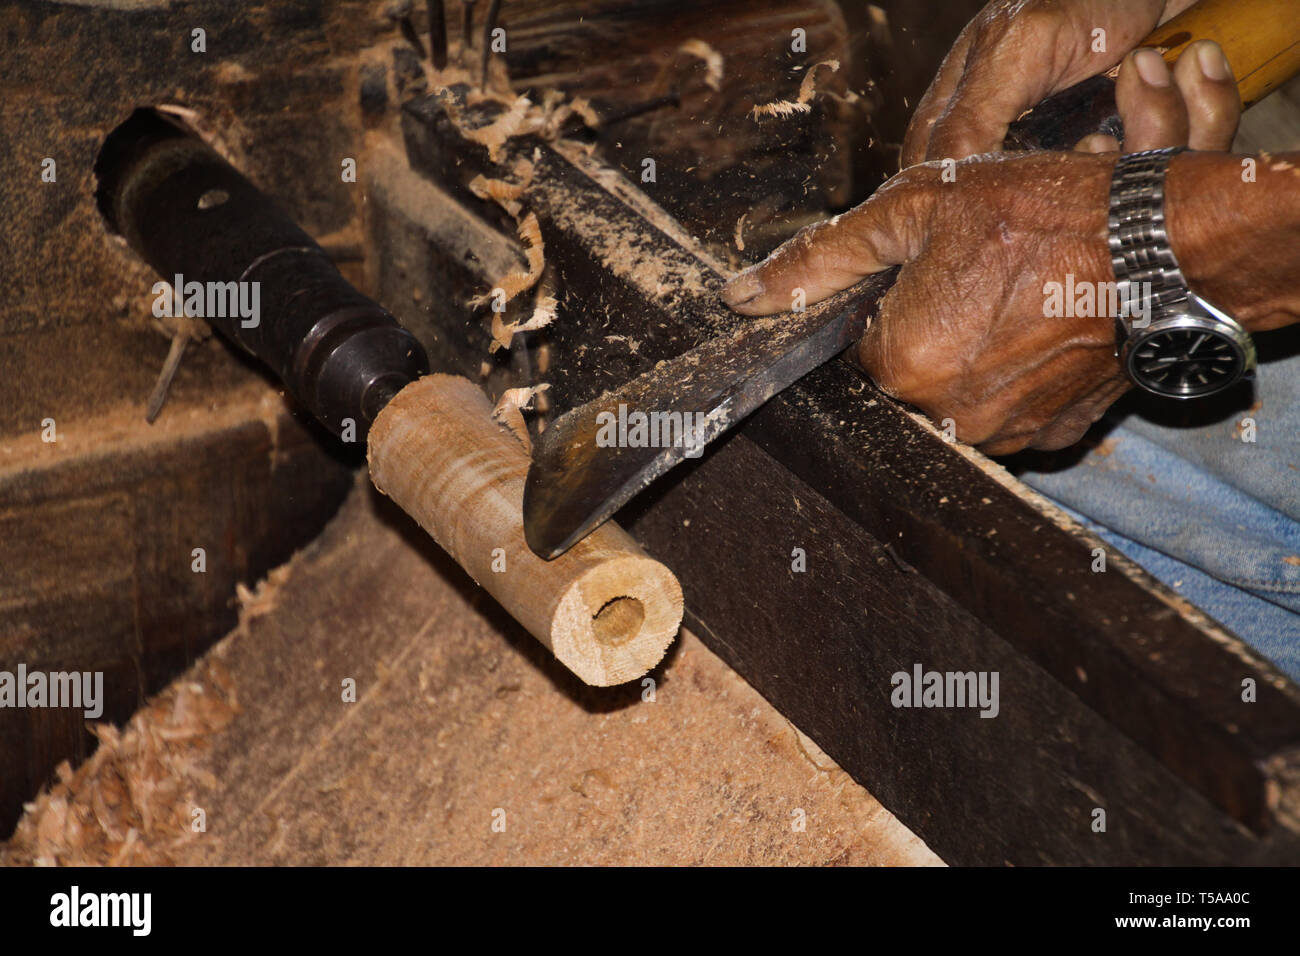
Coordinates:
[577,481]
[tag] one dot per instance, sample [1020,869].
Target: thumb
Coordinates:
[886,230]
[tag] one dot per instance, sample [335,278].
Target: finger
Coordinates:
[916,142]
[1098,143]
[987,101]
[822,259]
[1150,105]
[1208,88]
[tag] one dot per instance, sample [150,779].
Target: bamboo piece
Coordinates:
[605,609]
[1260,37]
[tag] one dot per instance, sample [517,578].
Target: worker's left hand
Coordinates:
[964,333]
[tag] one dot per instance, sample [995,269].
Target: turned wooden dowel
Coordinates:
[1260,37]
[606,610]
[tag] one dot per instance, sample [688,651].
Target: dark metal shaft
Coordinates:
[255,276]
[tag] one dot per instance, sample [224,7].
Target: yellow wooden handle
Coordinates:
[1260,37]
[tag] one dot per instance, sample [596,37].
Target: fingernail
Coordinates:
[1152,68]
[1213,63]
[745,287]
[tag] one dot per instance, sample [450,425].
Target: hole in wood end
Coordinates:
[618,620]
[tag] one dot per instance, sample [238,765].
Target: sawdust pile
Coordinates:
[803,103]
[131,804]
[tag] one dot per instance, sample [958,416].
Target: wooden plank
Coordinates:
[822,645]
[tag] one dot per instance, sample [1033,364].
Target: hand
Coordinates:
[1017,52]
[964,333]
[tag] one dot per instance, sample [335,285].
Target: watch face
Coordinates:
[1186,362]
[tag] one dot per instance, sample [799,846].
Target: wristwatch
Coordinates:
[1170,340]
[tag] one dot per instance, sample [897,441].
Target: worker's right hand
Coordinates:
[1015,53]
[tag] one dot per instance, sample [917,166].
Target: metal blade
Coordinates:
[595,458]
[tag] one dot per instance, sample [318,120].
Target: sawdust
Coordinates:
[803,103]
[672,281]
[131,804]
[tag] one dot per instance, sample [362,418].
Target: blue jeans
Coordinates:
[1211,513]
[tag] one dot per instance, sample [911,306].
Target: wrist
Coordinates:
[1234,228]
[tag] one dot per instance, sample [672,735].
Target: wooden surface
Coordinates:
[822,645]
[97,539]
[459,714]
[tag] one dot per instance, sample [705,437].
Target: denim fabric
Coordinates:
[1217,518]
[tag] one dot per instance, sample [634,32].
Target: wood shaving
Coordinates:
[503,333]
[524,170]
[803,104]
[516,282]
[583,108]
[506,194]
[556,111]
[780,108]
[508,124]
[712,61]
[510,408]
[740,232]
